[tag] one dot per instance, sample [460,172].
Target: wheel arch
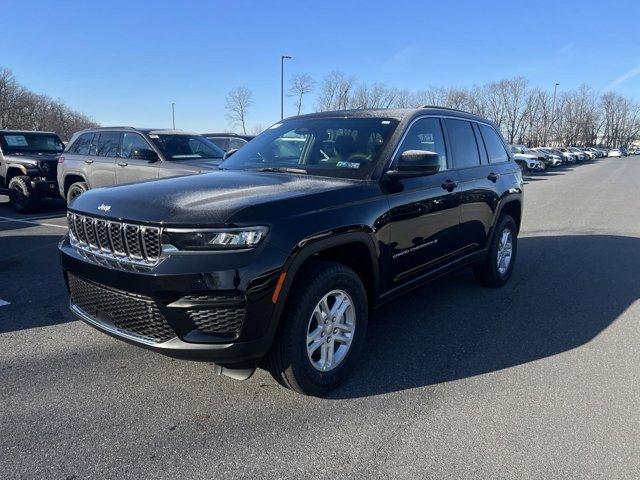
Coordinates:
[14,170]
[355,249]
[513,208]
[70,179]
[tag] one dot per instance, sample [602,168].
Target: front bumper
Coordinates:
[47,188]
[212,307]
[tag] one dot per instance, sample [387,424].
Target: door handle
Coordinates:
[449,185]
[493,177]
[88,162]
[123,164]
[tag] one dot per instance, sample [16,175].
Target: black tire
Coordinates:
[487,272]
[288,360]
[75,190]
[23,195]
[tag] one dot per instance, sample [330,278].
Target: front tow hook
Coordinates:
[449,185]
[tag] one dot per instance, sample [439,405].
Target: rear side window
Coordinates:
[495,148]
[82,144]
[105,144]
[464,148]
[426,134]
[221,142]
[235,143]
[132,142]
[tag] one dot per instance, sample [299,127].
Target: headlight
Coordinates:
[216,238]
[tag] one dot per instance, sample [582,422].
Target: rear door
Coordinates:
[103,154]
[130,168]
[423,215]
[475,197]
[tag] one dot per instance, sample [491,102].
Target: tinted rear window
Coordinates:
[105,144]
[464,148]
[82,144]
[495,148]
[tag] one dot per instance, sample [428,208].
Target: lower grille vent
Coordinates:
[134,314]
[220,321]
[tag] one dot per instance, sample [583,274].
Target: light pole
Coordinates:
[282,57]
[173,114]
[553,104]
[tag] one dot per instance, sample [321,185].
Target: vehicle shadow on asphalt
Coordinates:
[49,208]
[30,279]
[565,291]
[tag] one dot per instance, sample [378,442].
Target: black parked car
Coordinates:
[28,162]
[277,259]
[229,141]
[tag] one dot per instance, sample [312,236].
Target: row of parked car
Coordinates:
[539,159]
[33,165]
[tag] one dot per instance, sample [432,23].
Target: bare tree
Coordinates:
[23,109]
[335,92]
[301,84]
[238,102]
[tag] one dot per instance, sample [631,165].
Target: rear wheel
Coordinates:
[497,268]
[75,190]
[23,195]
[322,330]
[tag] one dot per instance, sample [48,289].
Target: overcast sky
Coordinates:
[123,63]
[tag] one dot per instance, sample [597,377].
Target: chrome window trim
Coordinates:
[434,115]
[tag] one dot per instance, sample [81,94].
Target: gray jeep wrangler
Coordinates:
[28,165]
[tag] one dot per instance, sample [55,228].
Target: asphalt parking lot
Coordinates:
[539,379]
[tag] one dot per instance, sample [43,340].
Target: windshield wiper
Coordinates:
[279,169]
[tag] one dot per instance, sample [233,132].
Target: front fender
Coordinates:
[315,244]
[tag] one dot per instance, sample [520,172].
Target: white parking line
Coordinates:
[4,302]
[9,219]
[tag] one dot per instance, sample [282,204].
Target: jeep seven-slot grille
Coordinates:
[134,314]
[115,240]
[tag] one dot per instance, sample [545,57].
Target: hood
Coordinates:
[525,156]
[205,199]
[32,158]
[200,165]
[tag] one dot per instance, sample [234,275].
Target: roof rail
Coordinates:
[445,108]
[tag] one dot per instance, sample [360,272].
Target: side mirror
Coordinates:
[228,153]
[145,154]
[416,163]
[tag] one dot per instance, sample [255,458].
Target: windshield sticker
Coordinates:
[16,140]
[348,165]
[386,122]
[153,135]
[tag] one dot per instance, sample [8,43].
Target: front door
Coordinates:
[424,211]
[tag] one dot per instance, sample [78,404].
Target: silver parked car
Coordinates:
[102,157]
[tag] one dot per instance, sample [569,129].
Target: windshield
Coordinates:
[13,143]
[185,147]
[332,147]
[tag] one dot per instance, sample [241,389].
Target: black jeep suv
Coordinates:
[277,259]
[28,162]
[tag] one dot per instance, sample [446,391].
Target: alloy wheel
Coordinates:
[330,330]
[505,251]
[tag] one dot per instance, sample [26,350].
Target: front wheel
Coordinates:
[322,331]
[75,191]
[497,268]
[23,195]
